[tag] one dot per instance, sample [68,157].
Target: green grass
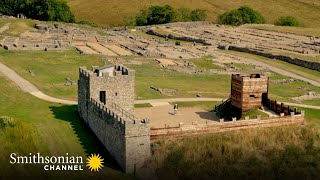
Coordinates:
[296,30]
[51,69]
[205,63]
[291,89]
[188,85]
[148,36]
[315,102]
[17,26]
[270,153]
[306,11]
[142,105]
[206,105]
[47,128]
[315,58]
[304,72]
[253,114]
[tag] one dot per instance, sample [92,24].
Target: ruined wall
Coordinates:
[296,61]
[181,38]
[126,137]
[223,126]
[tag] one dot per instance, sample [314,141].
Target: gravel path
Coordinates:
[26,86]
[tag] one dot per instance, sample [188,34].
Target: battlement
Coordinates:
[107,71]
[223,126]
[84,72]
[251,77]
[115,111]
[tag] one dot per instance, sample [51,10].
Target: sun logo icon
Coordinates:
[95,162]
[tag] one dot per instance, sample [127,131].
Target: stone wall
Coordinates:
[126,137]
[296,61]
[223,126]
[181,38]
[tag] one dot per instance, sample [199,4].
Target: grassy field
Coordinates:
[297,30]
[188,85]
[50,68]
[273,153]
[49,129]
[304,72]
[17,26]
[114,11]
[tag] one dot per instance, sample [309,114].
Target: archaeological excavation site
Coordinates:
[163,101]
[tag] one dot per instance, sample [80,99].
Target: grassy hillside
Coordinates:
[49,129]
[114,11]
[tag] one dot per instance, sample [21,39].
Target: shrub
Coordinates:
[198,15]
[287,21]
[243,15]
[166,14]
[183,15]
[177,43]
[6,121]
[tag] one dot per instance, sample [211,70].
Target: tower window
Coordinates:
[102,97]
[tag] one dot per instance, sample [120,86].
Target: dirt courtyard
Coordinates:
[162,116]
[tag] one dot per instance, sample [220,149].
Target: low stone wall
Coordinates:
[222,126]
[181,38]
[296,61]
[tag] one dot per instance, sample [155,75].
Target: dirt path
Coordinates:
[26,86]
[5,27]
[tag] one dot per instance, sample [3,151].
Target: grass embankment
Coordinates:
[116,11]
[51,69]
[46,128]
[272,153]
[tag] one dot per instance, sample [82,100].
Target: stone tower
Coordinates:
[248,91]
[106,103]
[108,84]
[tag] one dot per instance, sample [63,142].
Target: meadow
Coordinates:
[113,12]
[47,128]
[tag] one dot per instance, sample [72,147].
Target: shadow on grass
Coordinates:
[88,139]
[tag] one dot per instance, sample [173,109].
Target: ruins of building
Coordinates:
[106,102]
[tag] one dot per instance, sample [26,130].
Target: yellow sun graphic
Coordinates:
[95,162]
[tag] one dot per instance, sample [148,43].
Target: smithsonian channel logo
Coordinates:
[94,162]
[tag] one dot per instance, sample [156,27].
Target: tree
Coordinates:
[12,7]
[51,10]
[240,16]
[141,18]
[160,14]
